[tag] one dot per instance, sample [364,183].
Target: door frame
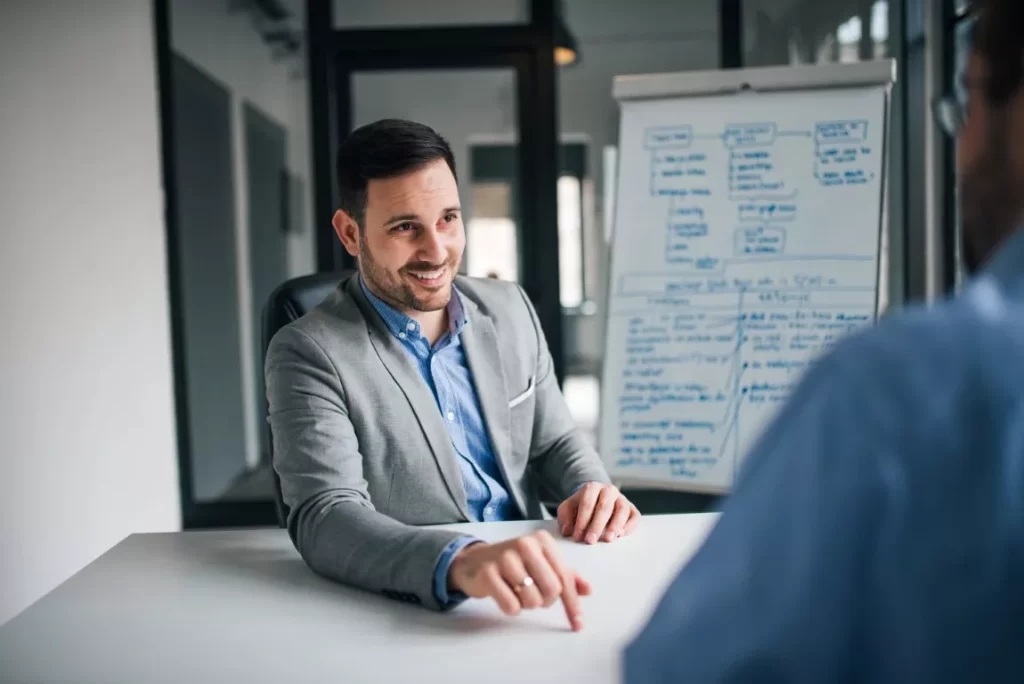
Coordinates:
[334,55]
[194,513]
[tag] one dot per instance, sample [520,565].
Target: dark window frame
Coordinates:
[953,20]
[195,514]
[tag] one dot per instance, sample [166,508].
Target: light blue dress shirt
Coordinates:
[445,370]
[876,532]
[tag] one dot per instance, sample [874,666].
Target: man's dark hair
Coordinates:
[384,149]
[998,37]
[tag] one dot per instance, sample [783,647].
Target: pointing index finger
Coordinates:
[570,595]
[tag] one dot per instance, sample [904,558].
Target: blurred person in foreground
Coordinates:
[876,532]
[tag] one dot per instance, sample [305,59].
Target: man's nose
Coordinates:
[432,246]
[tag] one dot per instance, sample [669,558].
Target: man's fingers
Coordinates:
[567,515]
[545,578]
[634,520]
[498,589]
[569,580]
[503,576]
[514,571]
[617,524]
[588,500]
[602,514]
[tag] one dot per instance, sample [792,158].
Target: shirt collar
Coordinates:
[401,325]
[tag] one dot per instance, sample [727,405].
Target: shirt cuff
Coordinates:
[444,564]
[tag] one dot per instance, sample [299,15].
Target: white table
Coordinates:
[240,606]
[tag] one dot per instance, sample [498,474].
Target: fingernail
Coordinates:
[577,623]
[591,538]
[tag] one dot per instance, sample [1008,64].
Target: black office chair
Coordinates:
[291,300]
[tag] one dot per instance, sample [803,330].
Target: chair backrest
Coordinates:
[288,302]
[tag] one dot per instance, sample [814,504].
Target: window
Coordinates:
[418,14]
[811,31]
[491,232]
[570,241]
[492,242]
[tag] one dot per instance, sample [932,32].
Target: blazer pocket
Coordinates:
[530,389]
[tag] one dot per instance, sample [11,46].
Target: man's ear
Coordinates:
[348,231]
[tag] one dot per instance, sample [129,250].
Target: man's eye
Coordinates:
[403,227]
[448,218]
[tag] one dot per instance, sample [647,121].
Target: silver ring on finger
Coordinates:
[527,582]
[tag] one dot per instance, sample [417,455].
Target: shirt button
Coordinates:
[451,415]
[401,336]
[489,510]
[411,326]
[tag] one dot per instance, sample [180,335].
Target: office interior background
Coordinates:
[167,164]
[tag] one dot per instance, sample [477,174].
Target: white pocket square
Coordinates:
[524,396]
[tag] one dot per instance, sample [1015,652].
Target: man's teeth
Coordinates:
[429,275]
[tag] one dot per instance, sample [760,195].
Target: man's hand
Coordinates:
[526,572]
[597,511]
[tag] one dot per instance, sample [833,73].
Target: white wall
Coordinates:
[225,44]
[87,441]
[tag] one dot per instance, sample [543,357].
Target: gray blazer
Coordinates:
[363,452]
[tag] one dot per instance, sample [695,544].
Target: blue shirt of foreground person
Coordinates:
[877,531]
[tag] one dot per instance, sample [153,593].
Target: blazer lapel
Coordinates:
[409,380]
[480,340]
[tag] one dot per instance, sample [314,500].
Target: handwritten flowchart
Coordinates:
[751,286]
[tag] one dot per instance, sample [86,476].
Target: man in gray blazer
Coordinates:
[412,396]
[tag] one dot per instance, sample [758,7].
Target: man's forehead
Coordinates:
[387,195]
[431,178]
[422,194]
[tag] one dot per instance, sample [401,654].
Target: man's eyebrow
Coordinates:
[401,218]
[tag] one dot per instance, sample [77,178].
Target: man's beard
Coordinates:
[396,290]
[988,200]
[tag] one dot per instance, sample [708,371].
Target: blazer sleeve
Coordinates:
[559,452]
[332,521]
